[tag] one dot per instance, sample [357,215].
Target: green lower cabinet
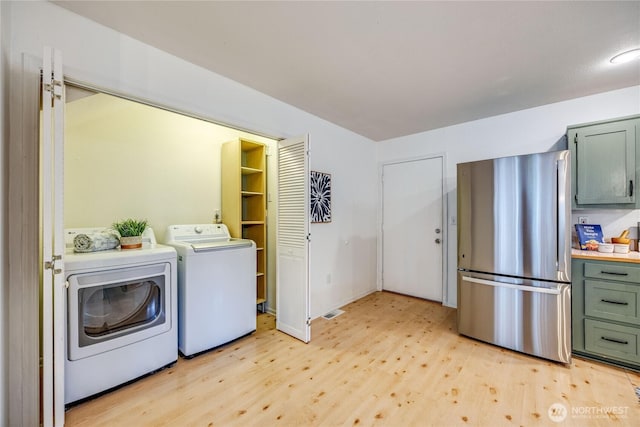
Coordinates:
[605,311]
[612,301]
[612,340]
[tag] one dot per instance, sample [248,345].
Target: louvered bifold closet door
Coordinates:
[292,265]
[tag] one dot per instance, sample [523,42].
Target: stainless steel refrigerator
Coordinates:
[514,253]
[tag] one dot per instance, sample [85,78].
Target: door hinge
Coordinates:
[308,321]
[51,88]
[575,139]
[51,265]
[309,237]
[57,84]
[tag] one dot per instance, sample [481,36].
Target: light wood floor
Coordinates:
[388,360]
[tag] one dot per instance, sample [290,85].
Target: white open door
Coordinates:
[292,253]
[51,184]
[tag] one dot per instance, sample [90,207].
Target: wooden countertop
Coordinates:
[632,256]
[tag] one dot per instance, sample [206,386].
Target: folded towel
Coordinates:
[95,242]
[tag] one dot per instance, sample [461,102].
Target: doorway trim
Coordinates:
[23,266]
[99,89]
[445,222]
[23,269]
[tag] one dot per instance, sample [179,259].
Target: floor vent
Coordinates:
[332,314]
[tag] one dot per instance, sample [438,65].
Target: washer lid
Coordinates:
[214,245]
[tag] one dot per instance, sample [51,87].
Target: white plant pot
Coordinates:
[132,242]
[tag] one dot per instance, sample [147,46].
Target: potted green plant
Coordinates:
[130,231]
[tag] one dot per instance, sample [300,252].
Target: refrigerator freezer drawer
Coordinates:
[530,319]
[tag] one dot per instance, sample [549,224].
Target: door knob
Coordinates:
[437,231]
[438,241]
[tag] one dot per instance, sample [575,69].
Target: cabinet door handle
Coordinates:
[630,188]
[614,340]
[615,273]
[614,302]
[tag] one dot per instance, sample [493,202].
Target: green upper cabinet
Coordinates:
[604,164]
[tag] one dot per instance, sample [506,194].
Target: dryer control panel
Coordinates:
[195,232]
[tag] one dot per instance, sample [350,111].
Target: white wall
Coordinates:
[613,222]
[343,252]
[124,159]
[4,138]
[521,132]
[103,57]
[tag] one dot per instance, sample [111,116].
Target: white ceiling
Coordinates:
[388,69]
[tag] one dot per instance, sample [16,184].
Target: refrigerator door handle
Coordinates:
[562,220]
[512,286]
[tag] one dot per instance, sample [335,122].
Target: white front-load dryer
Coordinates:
[121,317]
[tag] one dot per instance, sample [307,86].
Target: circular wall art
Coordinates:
[320,197]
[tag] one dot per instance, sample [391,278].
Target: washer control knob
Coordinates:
[198,229]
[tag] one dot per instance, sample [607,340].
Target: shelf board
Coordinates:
[258,274]
[251,193]
[249,171]
[261,300]
[259,249]
[252,222]
[247,145]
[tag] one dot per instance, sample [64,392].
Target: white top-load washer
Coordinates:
[216,286]
[121,314]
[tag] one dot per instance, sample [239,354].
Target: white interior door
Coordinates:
[412,232]
[52,185]
[292,252]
